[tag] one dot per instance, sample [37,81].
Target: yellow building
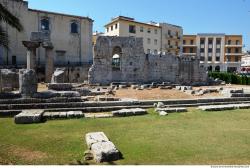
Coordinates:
[157,37]
[217,52]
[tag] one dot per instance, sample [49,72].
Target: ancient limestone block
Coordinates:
[171,110]
[105,152]
[60,86]
[163,113]
[95,137]
[59,76]
[160,105]
[9,79]
[129,112]
[27,82]
[29,117]
[102,149]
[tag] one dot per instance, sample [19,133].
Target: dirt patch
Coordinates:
[26,154]
[5,162]
[153,94]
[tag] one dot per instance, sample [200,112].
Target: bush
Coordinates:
[231,78]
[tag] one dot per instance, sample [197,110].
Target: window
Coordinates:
[218,41]
[202,41]
[156,31]
[74,27]
[169,42]
[192,42]
[13,60]
[112,28]
[176,43]
[132,29]
[210,59]
[236,59]
[116,26]
[191,50]
[229,42]
[177,34]
[149,41]
[107,29]
[229,50]
[116,62]
[141,29]
[236,50]
[237,42]
[210,41]
[155,42]
[45,24]
[155,52]
[202,50]
[210,50]
[148,51]
[218,50]
[149,30]
[169,32]
[184,42]
[202,58]
[218,59]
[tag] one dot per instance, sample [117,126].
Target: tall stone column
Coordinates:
[49,61]
[31,53]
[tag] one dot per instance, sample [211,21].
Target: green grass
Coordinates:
[182,138]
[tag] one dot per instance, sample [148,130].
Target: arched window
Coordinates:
[45,24]
[210,68]
[116,59]
[217,68]
[74,27]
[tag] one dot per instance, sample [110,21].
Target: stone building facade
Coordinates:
[70,35]
[122,59]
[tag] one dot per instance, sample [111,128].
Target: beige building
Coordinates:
[71,36]
[217,52]
[157,37]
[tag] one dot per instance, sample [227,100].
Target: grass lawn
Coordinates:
[186,138]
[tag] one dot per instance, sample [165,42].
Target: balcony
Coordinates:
[233,45]
[189,45]
[190,54]
[234,54]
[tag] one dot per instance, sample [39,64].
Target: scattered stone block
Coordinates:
[59,76]
[129,112]
[160,105]
[98,115]
[60,86]
[171,110]
[29,117]
[163,113]
[102,149]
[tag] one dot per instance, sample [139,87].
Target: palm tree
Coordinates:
[10,19]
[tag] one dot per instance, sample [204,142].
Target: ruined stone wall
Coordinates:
[135,66]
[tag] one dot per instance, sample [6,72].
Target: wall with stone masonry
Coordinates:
[135,66]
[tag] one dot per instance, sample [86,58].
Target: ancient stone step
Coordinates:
[29,117]
[171,110]
[63,115]
[60,86]
[224,107]
[129,112]
[101,147]
[98,115]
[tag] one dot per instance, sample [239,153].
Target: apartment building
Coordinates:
[157,37]
[217,52]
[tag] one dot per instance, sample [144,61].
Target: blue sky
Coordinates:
[195,16]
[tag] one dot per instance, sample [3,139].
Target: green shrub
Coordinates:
[231,78]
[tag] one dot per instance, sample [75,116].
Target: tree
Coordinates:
[10,19]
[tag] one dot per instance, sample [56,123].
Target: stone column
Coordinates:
[31,53]
[49,61]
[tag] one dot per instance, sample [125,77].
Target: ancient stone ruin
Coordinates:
[122,59]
